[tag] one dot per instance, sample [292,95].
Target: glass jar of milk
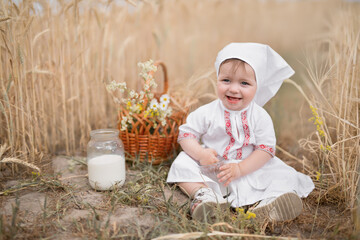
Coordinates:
[105,159]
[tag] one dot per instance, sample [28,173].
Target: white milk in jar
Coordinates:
[105,159]
[106,171]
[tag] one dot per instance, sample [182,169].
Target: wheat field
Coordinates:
[57,56]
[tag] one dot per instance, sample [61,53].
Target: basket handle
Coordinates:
[166,81]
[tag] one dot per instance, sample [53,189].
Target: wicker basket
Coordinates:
[145,142]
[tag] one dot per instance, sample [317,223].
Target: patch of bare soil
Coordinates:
[66,207]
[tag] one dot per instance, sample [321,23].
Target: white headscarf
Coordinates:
[269,67]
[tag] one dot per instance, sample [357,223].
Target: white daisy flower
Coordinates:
[163,105]
[154,105]
[165,98]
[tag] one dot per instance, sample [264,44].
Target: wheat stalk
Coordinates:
[21,162]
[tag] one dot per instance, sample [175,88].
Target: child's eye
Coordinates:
[244,83]
[225,80]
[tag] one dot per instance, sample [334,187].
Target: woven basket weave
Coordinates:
[148,143]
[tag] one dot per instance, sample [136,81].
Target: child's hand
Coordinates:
[228,173]
[208,156]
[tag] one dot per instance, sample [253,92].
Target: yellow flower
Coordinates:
[35,174]
[327,148]
[146,113]
[240,210]
[314,111]
[139,107]
[318,175]
[247,215]
[320,131]
[128,105]
[317,121]
[250,215]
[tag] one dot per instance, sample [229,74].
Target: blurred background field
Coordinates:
[57,56]
[55,60]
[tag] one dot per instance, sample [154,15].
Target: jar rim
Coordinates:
[105,132]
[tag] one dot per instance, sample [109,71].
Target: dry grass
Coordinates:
[54,63]
[332,93]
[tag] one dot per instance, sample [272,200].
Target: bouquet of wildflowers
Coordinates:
[143,103]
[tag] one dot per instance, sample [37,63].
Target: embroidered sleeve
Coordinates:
[184,135]
[265,139]
[195,126]
[268,149]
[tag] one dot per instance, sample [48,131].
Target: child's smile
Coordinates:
[233,99]
[236,85]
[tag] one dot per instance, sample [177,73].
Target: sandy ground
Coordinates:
[31,207]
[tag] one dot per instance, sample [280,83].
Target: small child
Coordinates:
[238,130]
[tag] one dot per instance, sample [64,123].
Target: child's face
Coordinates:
[236,85]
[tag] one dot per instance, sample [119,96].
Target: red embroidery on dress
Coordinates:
[227,123]
[183,135]
[228,132]
[238,153]
[266,149]
[246,128]
[246,133]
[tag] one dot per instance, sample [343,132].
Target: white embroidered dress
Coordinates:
[235,135]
